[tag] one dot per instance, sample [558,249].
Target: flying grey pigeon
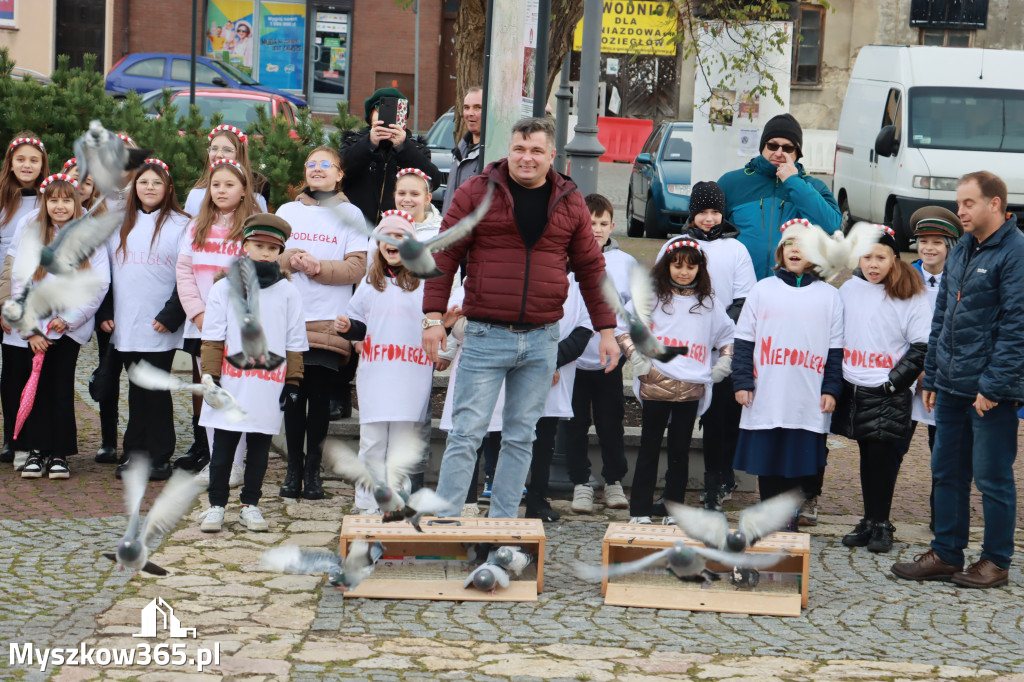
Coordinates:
[73,244]
[712,527]
[639,322]
[417,255]
[244,292]
[685,562]
[40,300]
[141,540]
[487,577]
[104,157]
[388,487]
[511,558]
[347,575]
[155,379]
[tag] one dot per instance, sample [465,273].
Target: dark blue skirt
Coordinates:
[780,452]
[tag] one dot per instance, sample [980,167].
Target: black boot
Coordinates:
[712,491]
[106,455]
[860,535]
[292,486]
[881,537]
[198,456]
[313,489]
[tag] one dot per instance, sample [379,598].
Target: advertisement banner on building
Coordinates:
[229,35]
[6,12]
[635,27]
[282,35]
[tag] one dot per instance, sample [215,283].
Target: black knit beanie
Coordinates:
[373,100]
[705,195]
[784,126]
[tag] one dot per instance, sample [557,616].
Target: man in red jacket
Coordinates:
[515,286]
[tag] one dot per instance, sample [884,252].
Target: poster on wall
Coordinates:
[635,27]
[282,36]
[229,35]
[7,13]
[529,55]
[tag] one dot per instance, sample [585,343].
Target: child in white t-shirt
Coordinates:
[261,393]
[676,392]
[787,373]
[887,323]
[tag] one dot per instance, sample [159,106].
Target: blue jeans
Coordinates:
[984,448]
[525,361]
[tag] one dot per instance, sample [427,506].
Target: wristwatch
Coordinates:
[427,323]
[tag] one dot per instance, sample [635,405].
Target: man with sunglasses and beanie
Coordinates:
[773,188]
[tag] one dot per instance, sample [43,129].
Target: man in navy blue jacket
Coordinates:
[974,381]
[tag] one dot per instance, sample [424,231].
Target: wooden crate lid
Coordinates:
[642,535]
[469,530]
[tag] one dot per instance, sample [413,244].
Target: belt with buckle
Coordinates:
[516,327]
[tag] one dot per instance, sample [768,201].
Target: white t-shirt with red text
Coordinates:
[395,374]
[257,391]
[792,329]
[879,330]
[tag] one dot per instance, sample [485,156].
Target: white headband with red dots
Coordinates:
[680,243]
[414,171]
[227,162]
[28,140]
[127,140]
[158,162]
[886,230]
[398,212]
[242,137]
[59,176]
[70,163]
[795,221]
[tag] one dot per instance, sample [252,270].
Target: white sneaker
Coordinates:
[369,512]
[641,520]
[668,521]
[213,520]
[203,477]
[20,457]
[614,497]
[237,476]
[470,511]
[583,499]
[252,518]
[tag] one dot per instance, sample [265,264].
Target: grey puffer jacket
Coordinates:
[977,340]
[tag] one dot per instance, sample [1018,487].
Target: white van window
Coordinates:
[983,119]
[891,116]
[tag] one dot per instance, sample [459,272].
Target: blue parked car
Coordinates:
[146,71]
[659,186]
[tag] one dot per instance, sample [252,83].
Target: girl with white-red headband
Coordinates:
[384,314]
[412,195]
[212,241]
[49,436]
[676,392]
[887,318]
[325,260]
[145,317]
[226,142]
[787,373]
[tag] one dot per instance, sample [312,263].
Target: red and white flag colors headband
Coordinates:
[70,163]
[795,221]
[28,140]
[414,171]
[59,176]
[227,162]
[229,128]
[680,243]
[886,230]
[158,162]
[399,213]
[127,140]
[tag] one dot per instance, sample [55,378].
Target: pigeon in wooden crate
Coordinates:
[356,567]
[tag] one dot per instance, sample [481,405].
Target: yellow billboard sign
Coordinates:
[635,27]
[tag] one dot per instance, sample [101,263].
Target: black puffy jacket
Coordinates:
[369,180]
[881,412]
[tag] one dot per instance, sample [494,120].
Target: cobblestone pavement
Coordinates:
[861,623]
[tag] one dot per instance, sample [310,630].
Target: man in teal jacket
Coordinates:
[773,188]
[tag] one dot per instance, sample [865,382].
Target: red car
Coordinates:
[237,106]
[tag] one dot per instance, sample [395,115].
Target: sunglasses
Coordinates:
[773,147]
[322,164]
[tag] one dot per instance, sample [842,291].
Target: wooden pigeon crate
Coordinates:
[432,565]
[783,596]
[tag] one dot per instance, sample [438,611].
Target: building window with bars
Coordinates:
[948,14]
[808,31]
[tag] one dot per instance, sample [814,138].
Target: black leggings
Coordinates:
[16,369]
[53,429]
[656,415]
[770,486]
[150,413]
[257,447]
[109,407]
[540,466]
[721,424]
[306,421]
[879,467]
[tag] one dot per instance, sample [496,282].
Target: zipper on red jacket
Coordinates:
[526,277]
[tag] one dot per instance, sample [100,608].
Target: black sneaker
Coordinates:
[881,537]
[106,455]
[861,534]
[712,501]
[160,472]
[544,513]
[7,453]
[34,466]
[192,461]
[58,468]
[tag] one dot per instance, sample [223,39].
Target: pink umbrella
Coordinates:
[28,394]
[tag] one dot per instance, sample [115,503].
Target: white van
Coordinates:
[917,118]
